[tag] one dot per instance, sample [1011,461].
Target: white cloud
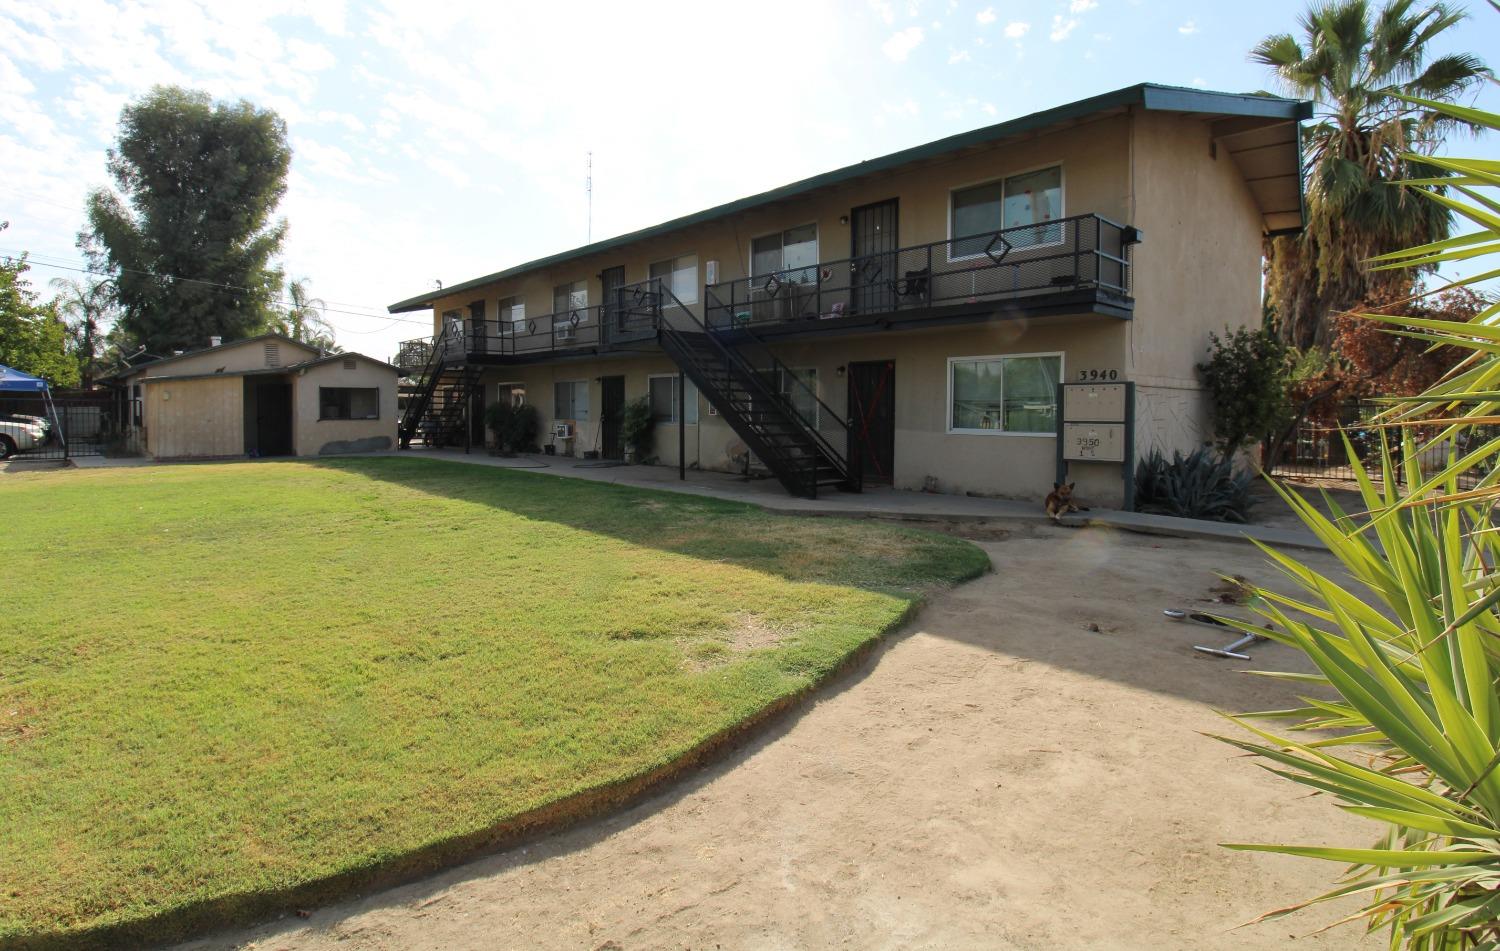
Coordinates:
[1200,82]
[1188,28]
[900,45]
[1016,29]
[985,17]
[884,10]
[958,56]
[989,109]
[1061,27]
[1082,6]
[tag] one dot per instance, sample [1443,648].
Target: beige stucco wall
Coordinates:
[313,436]
[1198,271]
[1012,465]
[202,418]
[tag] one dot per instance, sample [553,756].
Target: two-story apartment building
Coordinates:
[905,320]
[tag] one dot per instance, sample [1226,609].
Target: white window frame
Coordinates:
[516,324]
[678,412]
[1062,201]
[817,249]
[697,274]
[1062,361]
[583,309]
[586,408]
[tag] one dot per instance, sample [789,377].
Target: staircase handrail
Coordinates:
[755,375]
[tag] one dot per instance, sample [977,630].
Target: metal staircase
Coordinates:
[754,392]
[434,412]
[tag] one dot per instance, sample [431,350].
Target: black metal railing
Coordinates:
[37,427]
[651,307]
[1084,252]
[1314,448]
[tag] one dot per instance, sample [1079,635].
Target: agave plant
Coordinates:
[1410,644]
[1202,484]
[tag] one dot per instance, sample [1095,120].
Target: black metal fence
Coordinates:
[1315,448]
[68,427]
[1084,252]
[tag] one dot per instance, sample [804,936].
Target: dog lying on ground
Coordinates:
[1060,501]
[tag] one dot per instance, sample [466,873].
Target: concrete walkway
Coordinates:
[872,503]
[875,502]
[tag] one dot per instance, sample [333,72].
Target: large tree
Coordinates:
[189,236]
[1351,61]
[32,336]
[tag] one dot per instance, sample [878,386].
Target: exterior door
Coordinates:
[612,279]
[873,277]
[872,414]
[273,419]
[611,415]
[478,334]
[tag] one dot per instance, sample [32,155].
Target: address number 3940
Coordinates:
[1098,376]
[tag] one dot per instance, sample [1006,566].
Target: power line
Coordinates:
[37,259]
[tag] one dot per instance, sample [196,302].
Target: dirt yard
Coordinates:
[1001,775]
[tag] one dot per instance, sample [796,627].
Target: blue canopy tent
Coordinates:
[14,381]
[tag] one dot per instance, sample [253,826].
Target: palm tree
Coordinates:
[303,319]
[1350,63]
[85,307]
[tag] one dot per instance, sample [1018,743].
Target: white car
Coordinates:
[21,434]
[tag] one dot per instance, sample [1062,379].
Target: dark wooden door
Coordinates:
[611,415]
[478,333]
[872,413]
[873,276]
[273,419]
[612,279]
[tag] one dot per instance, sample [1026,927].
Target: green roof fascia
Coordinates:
[1147,95]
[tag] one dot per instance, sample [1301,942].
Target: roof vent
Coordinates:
[273,354]
[348,363]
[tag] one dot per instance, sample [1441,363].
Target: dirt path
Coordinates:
[1000,777]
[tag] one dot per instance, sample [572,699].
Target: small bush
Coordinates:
[638,429]
[1247,376]
[1200,485]
[515,427]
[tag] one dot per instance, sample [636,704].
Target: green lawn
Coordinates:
[219,683]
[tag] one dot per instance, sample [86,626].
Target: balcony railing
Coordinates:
[1085,252]
[577,329]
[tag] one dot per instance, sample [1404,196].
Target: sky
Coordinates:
[447,140]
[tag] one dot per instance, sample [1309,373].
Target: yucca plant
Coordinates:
[1410,644]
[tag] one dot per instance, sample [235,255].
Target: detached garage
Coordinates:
[265,396]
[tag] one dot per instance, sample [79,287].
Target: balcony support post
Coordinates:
[681,426]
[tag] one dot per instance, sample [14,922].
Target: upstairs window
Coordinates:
[513,314]
[571,297]
[348,402]
[791,254]
[1034,198]
[680,276]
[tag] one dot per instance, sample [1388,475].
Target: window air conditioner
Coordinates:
[565,333]
[562,431]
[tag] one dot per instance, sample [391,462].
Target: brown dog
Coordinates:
[1060,501]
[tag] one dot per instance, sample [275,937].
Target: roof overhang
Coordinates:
[1271,129]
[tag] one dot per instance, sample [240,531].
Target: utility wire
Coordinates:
[37,260]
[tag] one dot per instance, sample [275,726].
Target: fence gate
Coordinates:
[104,425]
